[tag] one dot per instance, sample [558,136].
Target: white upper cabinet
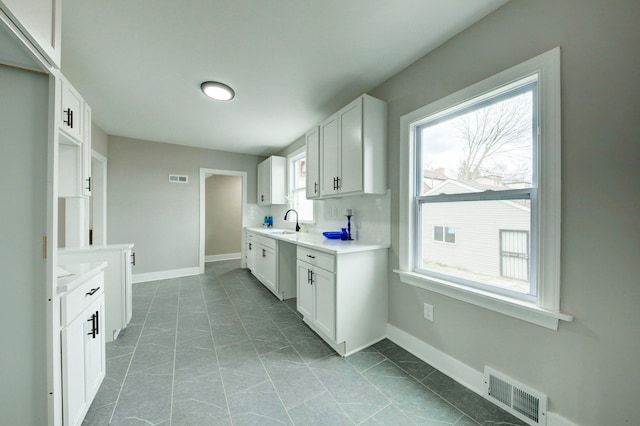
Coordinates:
[74,150]
[353,146]
[313,163]
[272,188]
[39,21]
[71,112]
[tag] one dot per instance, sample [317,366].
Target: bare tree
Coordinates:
[491,134]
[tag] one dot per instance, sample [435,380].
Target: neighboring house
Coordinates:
[485,241]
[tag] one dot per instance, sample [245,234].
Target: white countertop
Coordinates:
[72,275]
[318,241]
[109,247]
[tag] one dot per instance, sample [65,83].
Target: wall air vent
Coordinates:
[523,402]
[178,179]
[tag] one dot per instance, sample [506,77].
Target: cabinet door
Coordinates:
[94,355]
[72,108]
[329,155]
[251,256]
[129,262]
[324,285]
[73,373]
[86,152]
[268,267]
[313,163]
[264,184]
[41,20]
[351,160]
[305,290]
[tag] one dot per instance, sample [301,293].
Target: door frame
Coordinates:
[98,209]
[204,174]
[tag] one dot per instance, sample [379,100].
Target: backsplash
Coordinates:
[371,220]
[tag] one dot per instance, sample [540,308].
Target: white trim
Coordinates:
[101,214]
[547,309]
[204,174]
[457,370]
[165,275]
[219,257]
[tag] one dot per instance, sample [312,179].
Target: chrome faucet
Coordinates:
[285,218]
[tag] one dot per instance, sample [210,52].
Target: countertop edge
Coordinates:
[70,282]
[109,247]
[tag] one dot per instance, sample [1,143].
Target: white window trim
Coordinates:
[546,310]
[298,152]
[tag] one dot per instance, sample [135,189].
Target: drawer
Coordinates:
[75,301]
[266,241]
[317,258]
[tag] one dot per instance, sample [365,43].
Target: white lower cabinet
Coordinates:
[269,261]
[82,347]
[118,281]
[317,297]
[343,296]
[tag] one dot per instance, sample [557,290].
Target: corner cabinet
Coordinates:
[272,185]
[39,21]
[343,296]
[83,347]
[352,150]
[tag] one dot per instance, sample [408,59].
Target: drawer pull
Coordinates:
[310,256]
[93,291]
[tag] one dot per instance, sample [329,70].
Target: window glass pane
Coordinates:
[300,173]
[303,206]
[438,234]
[491,243]
[488,146]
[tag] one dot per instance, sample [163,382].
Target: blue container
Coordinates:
[333,235]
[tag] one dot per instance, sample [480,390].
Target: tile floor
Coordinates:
[220,349]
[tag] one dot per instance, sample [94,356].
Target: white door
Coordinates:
[129,261]
[324,285]
[313,163]
[251,256]
[264,182]
[24,102]
[351,154]
[305,290]
[329,155]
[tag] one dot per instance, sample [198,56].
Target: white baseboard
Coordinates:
[218,257]
[164,275]
[450,366]
[460,372]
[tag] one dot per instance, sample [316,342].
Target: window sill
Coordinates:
[512,307]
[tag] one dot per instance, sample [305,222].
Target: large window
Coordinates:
[297,187]
[480,202]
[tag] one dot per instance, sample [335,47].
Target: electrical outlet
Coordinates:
[428,311]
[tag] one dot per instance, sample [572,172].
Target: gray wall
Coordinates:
[589,368]
[223,218]
[99,140]
[162,218]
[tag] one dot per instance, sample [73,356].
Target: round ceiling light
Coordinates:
[217,90]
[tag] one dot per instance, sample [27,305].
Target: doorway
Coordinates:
[219,182]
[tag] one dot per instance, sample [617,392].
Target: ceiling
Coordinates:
[292,63]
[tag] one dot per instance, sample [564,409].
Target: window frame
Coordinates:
[291,159]
[545,309]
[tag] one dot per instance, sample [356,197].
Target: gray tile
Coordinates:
[355,395]
[365,359]
[467,401]
[390,415]
[405,360]
[266,337]
[417,402]
[321,410]
[240,367]
[308,344]
[145,397]
[228,334]
[258,405]
[466,421]
[292,378]
[98,416]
